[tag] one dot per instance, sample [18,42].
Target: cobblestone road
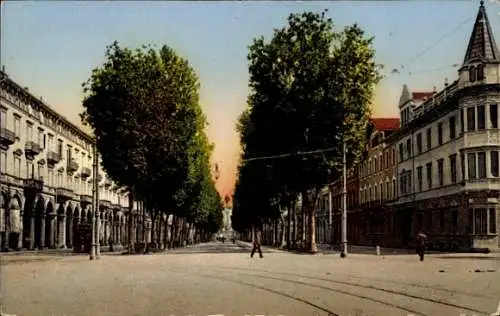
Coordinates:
[221,279]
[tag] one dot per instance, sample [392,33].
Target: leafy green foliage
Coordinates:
[143,106]
[311,87]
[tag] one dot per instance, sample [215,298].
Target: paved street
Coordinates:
[221,279]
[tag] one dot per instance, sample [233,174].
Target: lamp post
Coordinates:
[95,251]
[343,253]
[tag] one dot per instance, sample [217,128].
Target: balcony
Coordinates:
[32,149]
[105,204]
[85,200]
[33,186]
[72,166]
[85,172]
[99,178]
[108,183]
[116,207]
[7,137]
[64,194]
[53,158]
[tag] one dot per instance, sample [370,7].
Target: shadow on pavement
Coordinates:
[221,248]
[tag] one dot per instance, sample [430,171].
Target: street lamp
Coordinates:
[343,253]
[95,251]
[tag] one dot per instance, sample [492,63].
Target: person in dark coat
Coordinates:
[421,244]
[256,243]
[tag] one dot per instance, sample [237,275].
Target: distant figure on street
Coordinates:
[256,244]
[421,244]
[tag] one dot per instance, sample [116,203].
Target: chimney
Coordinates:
[3,68]
[26,88]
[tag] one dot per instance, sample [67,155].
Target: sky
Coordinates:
[51,47]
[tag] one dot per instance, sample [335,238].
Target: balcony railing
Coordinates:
[105,203]
[33,185]
[53,158]
[108,183]
[32,148]
[85,199]
[72,166]
[7,137]
[64,194]
[86,172]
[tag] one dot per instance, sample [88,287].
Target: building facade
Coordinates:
[46,177]
[378,184]
[448,154]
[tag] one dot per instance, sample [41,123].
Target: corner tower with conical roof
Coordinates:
[482,59]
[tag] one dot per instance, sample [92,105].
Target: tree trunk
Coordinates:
[154,215]
[172,232]
[289,227]
[309,200]
[131,248]
[143,207]
[276,233]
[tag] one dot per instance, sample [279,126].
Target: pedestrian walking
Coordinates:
[421,244]
[256,244]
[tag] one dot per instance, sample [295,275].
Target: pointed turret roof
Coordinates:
[482,46]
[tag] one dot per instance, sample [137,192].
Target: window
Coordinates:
[30,170]
[408,147]
[429,138]
[419,178]
[481,118]
[3,118]
[462,165]
[440,172]
[494,163]
[492,221]
[453,168]
[419,143]
[471,119]
[68,154]
[472,74]
[17,125]
[440,133]
[50,142]
[387,190]
[381,191]
[3,161]
[471,160]
[462,114]
[401,152]
[493,116]
[480,72]
[40,172]
[452,127]
[29,131]
[41,138]
[481,165]
[480,221]
[60,148]
[17,166]
[429,174]
[394,189]
[50,174]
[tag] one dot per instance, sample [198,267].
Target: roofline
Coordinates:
[46,107]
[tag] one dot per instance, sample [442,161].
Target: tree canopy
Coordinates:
[311,88]
[143,106]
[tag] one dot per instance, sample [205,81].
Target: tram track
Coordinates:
[257,273]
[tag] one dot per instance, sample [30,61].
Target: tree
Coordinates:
[311,87]
[143,107]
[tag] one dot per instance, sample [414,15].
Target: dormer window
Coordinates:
[472,74]
[480,72]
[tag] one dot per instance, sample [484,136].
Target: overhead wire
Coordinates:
[395,71]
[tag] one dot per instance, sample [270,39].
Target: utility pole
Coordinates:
[97,212]
[343,254]
[93,248]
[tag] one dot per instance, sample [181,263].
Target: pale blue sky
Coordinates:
[51,47]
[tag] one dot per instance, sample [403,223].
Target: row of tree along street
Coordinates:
[311,86]
[143,107]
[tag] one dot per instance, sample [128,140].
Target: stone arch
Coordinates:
[13,221]
[68,225]
[49,225]
[39,214]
